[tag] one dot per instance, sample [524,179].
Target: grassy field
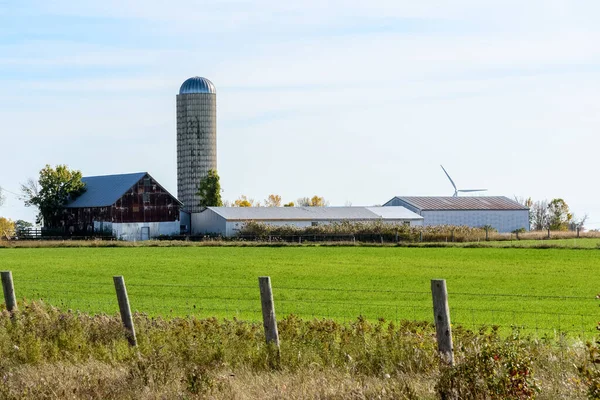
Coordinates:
[573,243]
[544,291]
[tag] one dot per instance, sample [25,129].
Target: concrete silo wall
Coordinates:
[196,144]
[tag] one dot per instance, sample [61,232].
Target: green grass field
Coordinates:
[543,290]
[587,243]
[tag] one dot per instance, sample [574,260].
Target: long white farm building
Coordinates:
[227,221]
[499,212]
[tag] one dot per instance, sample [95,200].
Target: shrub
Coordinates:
[489,367]
[589,371]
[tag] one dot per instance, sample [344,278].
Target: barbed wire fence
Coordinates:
[571,315]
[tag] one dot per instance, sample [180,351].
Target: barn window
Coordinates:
[146,197]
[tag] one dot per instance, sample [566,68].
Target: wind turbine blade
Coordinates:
[473,190]
[451,181]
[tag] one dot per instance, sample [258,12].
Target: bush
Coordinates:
[489,367]
[589,371]
[348,229]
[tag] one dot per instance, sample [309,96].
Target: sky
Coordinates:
[355,101]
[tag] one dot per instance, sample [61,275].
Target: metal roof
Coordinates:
[197,84]
[105,190]
[315,213]
[462,203]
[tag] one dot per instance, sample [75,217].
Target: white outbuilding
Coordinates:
[499,212]
[227,221]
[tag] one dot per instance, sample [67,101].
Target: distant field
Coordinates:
[587,243]
[542,290]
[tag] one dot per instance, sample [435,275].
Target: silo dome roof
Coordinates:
[197,84]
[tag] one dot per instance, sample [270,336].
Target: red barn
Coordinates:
[128,206]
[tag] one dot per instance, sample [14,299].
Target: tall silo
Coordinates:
[196,138]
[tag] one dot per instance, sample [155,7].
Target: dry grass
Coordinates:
[102,381]
[524,240]
[46,353]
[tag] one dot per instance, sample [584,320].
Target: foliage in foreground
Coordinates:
[48,353]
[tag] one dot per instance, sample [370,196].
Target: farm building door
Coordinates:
[145,233]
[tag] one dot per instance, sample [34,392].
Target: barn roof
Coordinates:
[105,190]
[462,203]
[315,213]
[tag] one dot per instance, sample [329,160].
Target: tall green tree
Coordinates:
[559,215]
[209,190]
[53,190]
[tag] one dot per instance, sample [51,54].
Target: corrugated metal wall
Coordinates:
[503,221]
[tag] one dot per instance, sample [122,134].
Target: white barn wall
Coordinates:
[501,220]
[233,227]
[131,231]
[209,222]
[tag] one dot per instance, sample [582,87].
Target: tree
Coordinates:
[315,201]
[538,215]
[55,187]
[527,202]
[243,201]
[209,190]
[7,228]
[559,216]
[290,204]
[2,197]
[303,202]
[578,223]
[21,225]
[274,200]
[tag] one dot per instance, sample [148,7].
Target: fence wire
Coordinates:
[573,315]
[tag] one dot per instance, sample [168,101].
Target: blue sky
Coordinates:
[352,100]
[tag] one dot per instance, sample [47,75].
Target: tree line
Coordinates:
[209,192]
[554,215]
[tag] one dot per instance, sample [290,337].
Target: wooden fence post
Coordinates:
[421,236]
[487,237]
[548,233]
[441,313]
[268,310]
[124,308]
[9,291]
[577,232]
